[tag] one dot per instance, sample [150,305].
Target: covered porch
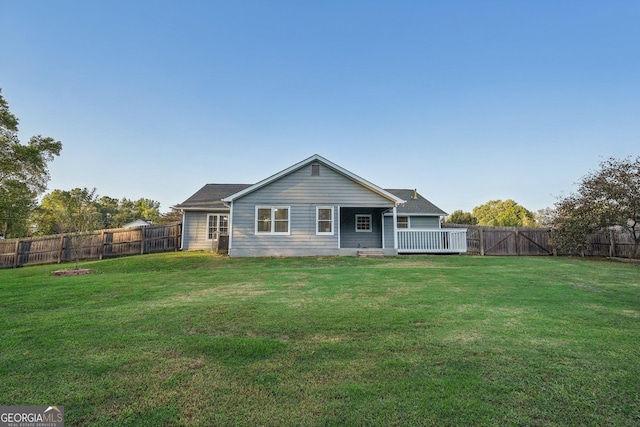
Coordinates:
[376,230]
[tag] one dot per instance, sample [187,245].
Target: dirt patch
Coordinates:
[632,260]
[74,272]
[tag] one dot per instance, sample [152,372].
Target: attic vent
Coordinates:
[315,169]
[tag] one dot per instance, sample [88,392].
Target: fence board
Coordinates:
[96,245]
[483,240]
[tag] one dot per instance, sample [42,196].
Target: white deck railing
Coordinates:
[430,241]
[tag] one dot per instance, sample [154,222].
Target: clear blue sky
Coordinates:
[467,101]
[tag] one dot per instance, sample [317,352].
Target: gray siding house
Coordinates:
[314,208]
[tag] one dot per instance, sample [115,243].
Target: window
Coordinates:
[272,220]
[403,222]
[315,169]
[324,223]
[363,223]
[217,225]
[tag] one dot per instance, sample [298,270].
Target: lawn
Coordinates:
[197,339]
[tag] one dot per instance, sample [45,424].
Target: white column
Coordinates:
[395,228]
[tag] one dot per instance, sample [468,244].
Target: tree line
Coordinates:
[497,213]
[608,198]
[24,175]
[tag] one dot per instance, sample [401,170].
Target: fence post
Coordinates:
[101,245]
[15,255]
[142,235]
[612,245]
[481,241]
[61,249]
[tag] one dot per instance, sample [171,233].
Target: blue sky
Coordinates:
[467,101]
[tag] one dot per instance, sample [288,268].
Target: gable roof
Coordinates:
[316,158]
[417,205]
[210,197]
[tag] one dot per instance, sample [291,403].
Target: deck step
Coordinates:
[371,253]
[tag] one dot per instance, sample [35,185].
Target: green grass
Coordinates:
[195,339]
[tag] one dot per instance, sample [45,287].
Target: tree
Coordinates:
[16,204]
[147,209]
[506,213]
[608,197]
[545,217]
[78,215]
[108,208]
[130,210]
[460,217]
[23,172]
[173,215]
[110,212]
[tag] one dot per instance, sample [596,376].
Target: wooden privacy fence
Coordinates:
[508,241]
[95,245]
[536,241]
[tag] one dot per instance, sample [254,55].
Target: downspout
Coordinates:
[230,206]
[184,215]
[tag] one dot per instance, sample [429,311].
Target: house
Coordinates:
[314,208]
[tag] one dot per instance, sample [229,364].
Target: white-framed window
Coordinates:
[403,222]
[272,219]
[363,223]
[217,224]
[324,220]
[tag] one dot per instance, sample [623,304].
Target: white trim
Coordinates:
[223,210]
[339,226]
[382,219]
[316,159]
[206,228]
[272,221]
[408,221]
[184,216]
[395,228]
[370,230]
[230,226]
[330,233]
[219,216]
[415,214]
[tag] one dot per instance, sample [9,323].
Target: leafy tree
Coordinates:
[23,172]
[16,204]
[173,215]
[147,209]
[73,212]
[608,197]
[108,208]
[65,211]
[110,212]
[130,210]
[506,213]
[460,217]
[545,217]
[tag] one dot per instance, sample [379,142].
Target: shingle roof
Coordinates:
[210,196]
[418,205]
